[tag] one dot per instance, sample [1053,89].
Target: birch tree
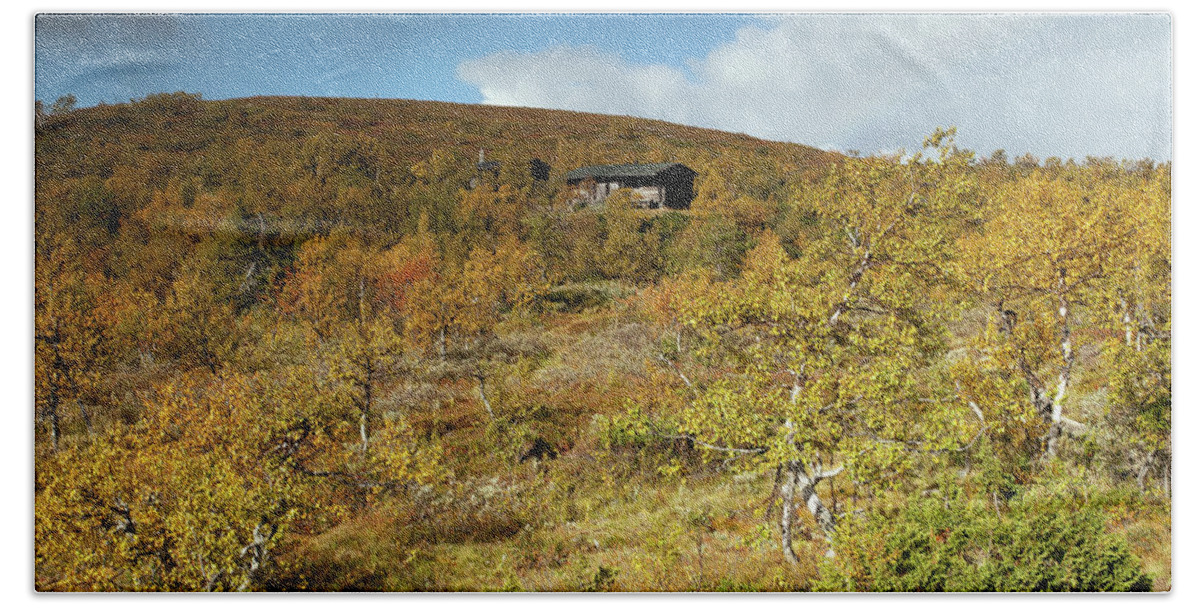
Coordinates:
[1040,263]
[199,495]
[71,343]
[1139,297]
[824,359]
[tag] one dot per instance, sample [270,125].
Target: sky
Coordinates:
[1062,84]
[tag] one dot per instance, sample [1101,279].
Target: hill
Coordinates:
[177,129]
[289,343]
[304,166]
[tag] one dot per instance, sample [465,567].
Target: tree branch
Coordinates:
[710,446]
[674,366]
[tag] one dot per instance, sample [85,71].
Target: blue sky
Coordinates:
[1068,85]
[115,58]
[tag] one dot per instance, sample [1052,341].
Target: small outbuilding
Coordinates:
[487,166]
[539,170]
[654,185]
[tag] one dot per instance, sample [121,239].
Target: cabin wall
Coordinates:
[672,189]
[649,196]
[678,186]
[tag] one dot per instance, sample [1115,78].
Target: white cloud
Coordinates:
[583,79]
[1066,85]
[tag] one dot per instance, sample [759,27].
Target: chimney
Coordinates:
[481,156]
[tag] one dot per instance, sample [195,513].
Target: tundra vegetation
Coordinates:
[281,344]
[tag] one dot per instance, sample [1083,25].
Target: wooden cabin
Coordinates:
[654,185]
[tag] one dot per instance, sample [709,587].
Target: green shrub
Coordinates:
[603,580]
[931,546]
[578,297]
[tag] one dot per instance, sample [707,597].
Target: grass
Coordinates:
[643,534]
[653,518]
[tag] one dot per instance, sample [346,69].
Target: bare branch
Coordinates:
[850,234]
[1072,427]
[916,447]
[710,446]
[819,474]
[678,371]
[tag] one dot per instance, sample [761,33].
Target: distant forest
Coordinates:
[308,344]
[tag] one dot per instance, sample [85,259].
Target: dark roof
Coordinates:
[610,171]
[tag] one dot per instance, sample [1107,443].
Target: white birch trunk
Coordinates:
[1166,477]
[797,484]
[364,418]
[1128,322]
[362,431]
[823,516]
[487,405]
[1055,406]
[1144,470]
[787,494]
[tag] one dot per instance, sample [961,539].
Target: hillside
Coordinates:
[303,166]
[292,343]
[175,129]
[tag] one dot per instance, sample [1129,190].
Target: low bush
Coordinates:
[578,297]
[1042,545]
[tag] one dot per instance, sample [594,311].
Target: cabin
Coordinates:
[654,185]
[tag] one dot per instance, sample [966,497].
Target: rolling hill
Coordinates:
[176,129]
